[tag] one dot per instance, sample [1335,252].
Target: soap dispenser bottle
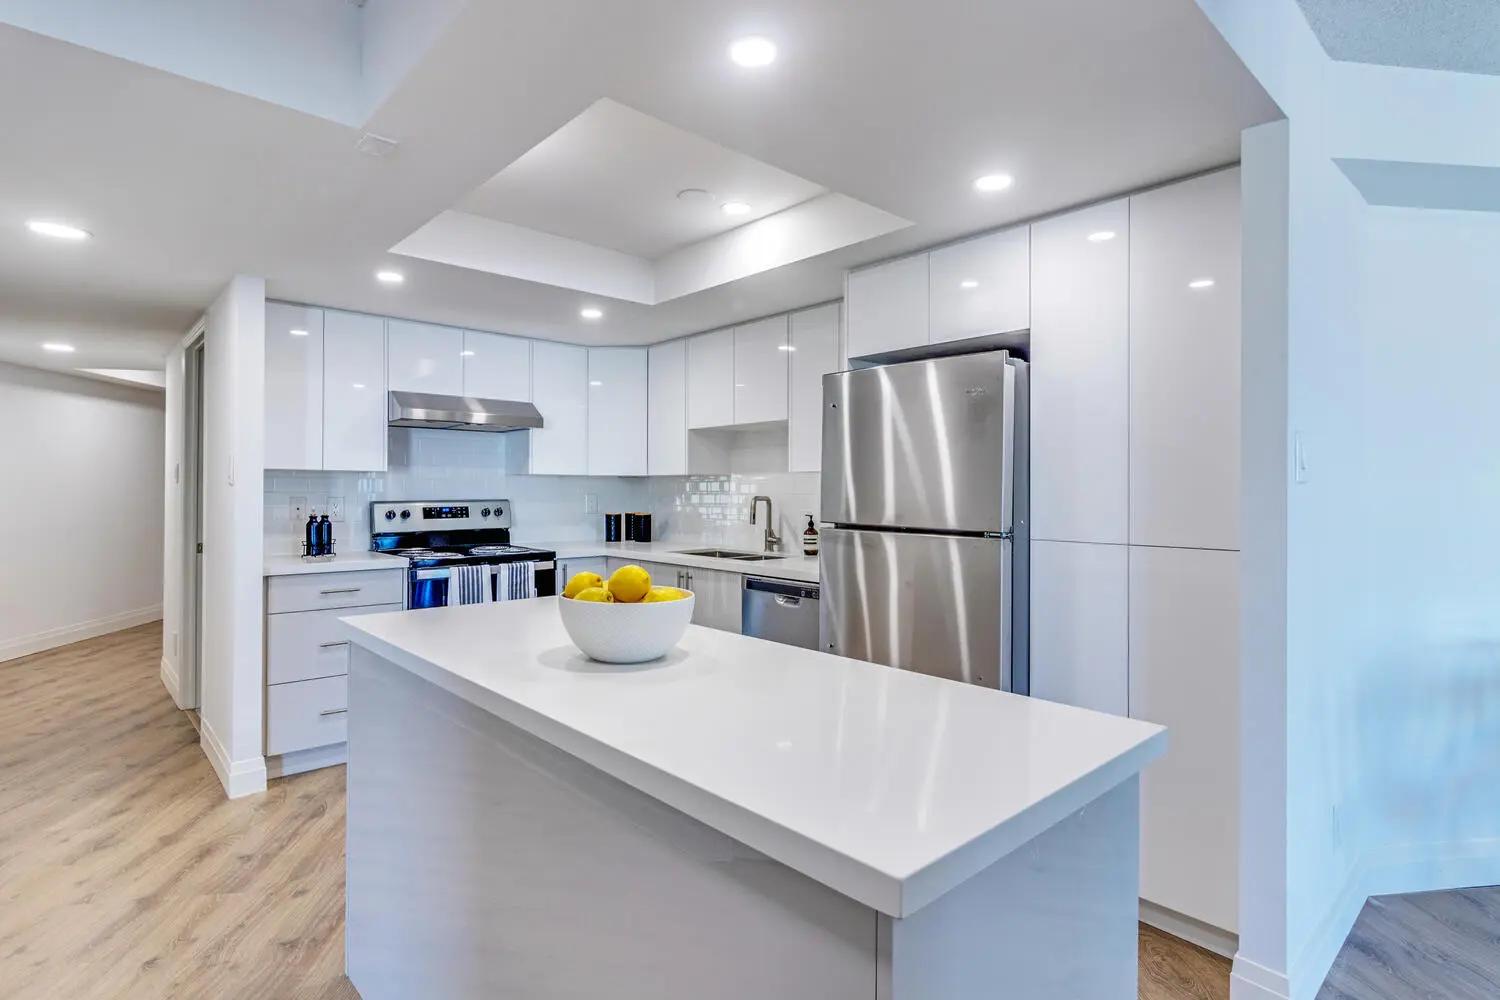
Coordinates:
[325,537]
[310,536]
[809,537]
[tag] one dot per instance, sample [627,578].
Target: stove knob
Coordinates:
[390,515]
[485,512]
[405,514]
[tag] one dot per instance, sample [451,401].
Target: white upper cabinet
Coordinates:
[426,358]
[560,390]
[1185,363]
[760,371]
[496,366]
[1079,625]
[710,379]
[354,406]
[1080,375]
[887,307]
[666,409]
[294,387]
[981,286]
[617,411]
[815,353]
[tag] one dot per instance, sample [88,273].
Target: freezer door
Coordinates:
[924,444]
[936,604]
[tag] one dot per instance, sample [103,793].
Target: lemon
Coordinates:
[598,594]
[581,582]
[629,584]
[657,594]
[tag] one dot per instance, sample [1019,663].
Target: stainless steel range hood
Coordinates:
[461,413]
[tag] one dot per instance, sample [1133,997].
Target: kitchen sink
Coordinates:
[755,558]
[728,554]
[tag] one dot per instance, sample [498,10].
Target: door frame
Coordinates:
[190,669]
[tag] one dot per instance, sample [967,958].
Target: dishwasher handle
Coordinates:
[787,593]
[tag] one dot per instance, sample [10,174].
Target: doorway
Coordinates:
[191,676]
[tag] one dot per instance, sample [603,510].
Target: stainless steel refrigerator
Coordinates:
[924,503]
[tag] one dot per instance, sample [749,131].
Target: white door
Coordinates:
[760,371]
[617,411]
[294,387]
[354,402]
[981,286]
[559,388]
[1079,625]
[666,409]
[1184,674]
[887,307]
[1185,364]
[426,358]
[815,353]
[710,379]
[496,366]
[1080,375]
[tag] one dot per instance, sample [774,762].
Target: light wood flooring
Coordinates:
[124,872]
[1421,946]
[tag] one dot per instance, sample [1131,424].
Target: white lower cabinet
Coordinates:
[1080,620]
[307,714]
[1184,674]
[716,598]
[569,568]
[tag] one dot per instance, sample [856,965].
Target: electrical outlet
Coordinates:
[591,503]
[299,511]
[335,508]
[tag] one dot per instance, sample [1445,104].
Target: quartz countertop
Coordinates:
[283,565]
[888,786]
[786,566]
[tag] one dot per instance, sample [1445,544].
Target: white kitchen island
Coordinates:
[741,820]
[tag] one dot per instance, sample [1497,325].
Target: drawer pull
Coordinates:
[333,711]
[341,590]
[330,645]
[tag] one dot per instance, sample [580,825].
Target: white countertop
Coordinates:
[786,566]
[887,786]
[281,565]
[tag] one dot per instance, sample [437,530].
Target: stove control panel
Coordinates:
[439,515]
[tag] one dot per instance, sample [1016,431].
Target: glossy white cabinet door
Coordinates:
[1185,364]
[887,307]
[560,390]
[1079,625]
[710,379]
[617,411]
[981,286]
[666,409]
[426,358]
[496,366]
[760,371]
[815,353]
[1184,674]
[294,387]
[716,598]
[354,407]
[1080,375]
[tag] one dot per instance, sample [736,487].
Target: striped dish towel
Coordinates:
[469,585]
[515,581]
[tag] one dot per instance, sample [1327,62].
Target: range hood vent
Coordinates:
[461,413]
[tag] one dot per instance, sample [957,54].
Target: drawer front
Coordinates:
[310,644]
[316,591]
[306,714]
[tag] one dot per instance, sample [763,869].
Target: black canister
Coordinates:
[611,527]
[630,526]
[642,527]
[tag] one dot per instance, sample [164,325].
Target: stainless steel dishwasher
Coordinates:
[780,610]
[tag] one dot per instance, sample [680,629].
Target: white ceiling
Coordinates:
[1457,35]
[896,104]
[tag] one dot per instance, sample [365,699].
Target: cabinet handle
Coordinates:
[330,645]
[341,590]
[333,711]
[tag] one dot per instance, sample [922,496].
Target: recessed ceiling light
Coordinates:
[390,277]
[466,354]
[591,312]
[1201,283]
[57,230]
[1103,236]
[753,51]
[993,182]
[785,347]
[298,333]
[735,208]
[968,283]
[58,348]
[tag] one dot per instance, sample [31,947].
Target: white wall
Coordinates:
[82,505]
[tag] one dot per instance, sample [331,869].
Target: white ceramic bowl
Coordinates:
[625,633]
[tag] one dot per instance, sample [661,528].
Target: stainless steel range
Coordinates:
[439,536]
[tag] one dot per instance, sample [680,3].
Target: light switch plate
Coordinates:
[335,508]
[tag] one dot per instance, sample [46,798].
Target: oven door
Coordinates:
[428,588]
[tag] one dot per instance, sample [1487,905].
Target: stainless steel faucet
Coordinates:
[773,540]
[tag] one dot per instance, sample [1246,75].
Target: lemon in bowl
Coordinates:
[626,620]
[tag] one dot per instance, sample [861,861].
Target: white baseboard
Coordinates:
[287,764]
[239,777]
[1252,981]
[1207,936]
[39,642]
[169,681]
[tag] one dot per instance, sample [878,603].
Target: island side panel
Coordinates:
[483,862]
[1054,920]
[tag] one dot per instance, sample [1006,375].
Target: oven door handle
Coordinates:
[431,574]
